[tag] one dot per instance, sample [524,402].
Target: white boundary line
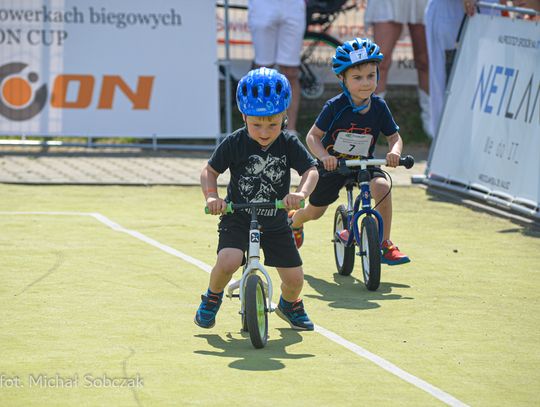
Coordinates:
[357,349]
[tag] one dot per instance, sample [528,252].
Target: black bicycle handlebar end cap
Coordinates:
[407,161]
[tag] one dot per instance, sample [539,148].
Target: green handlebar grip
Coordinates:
[281,205]
[228,209]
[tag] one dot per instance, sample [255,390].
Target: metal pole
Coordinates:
[227,64]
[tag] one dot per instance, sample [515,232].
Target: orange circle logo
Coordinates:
[16,102]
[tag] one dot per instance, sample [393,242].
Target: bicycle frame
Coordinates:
[253,265]
[362,203]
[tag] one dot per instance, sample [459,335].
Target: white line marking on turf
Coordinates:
[357,349]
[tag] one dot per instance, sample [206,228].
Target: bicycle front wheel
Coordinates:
[344,255]
[371,253]
[256,311]
[316,63]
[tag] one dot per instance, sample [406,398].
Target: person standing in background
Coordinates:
[277,30]
[443,20]
[387,18]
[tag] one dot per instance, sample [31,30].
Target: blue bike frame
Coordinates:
[362,203]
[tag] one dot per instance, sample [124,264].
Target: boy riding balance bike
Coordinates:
[348,128]
[259,157]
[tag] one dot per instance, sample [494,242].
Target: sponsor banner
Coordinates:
[489,136]
[108,68]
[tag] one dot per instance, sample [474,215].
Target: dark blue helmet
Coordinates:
[355,52]
[263,92]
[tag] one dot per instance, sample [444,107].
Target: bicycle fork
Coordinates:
[252,265]
[354,212]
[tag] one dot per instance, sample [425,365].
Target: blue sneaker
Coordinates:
[295,315]
[206,314]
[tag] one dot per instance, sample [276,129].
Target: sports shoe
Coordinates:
[344,235]
[298,233]
[206,314]
[294,314]
[391,254]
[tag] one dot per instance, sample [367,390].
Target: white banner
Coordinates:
[489,137]
[106,68]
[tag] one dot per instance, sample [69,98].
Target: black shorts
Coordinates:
[278,246]
[327,190]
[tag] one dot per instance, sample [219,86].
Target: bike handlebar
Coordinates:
[343,164]
[277,204]
[407,162]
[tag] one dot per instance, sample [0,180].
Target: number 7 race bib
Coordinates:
[353,144]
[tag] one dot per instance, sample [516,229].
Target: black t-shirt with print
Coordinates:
[337,117]
[260,175]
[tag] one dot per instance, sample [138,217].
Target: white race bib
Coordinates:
[353,144]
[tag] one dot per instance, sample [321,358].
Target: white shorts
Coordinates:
[277,31]
[399,11]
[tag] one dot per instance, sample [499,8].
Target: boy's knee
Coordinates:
[315,212]
[292,278]
[228,263]
[380,186]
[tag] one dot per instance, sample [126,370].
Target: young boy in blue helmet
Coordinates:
[353,118]
[259,157]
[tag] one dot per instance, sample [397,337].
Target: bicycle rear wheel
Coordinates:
[371,253]
[256,311]
[316,61]
[344,255]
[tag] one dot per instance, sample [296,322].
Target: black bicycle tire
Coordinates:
[347,265]
[311,86]
[253,283]
[370,231]
[322,36]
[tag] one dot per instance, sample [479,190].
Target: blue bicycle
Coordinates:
[368,237]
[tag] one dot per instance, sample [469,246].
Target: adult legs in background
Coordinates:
[420,53]
[442,25]
[293,75]
[386,35]
[277,29]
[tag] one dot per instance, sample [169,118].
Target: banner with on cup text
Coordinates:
[109,68]
[489,136]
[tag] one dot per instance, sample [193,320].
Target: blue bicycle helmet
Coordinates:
[263,92]
[355,52]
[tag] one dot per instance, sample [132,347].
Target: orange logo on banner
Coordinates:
[16,92]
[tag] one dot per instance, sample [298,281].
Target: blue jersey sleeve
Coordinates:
[388,125]
[325,118]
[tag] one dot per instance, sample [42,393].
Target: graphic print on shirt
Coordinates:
[352,129]
[260,177]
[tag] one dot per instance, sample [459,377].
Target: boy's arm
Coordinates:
[305,188]
[395,146]
[209,177]
[313,140]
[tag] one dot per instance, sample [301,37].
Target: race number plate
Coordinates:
[353,144]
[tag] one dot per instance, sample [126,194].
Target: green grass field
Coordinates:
[83,301]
